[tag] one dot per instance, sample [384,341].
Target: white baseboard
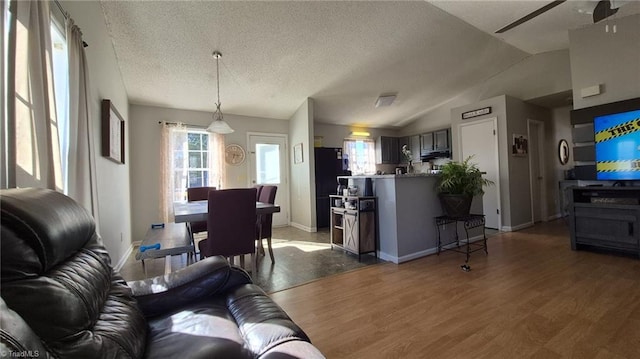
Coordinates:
[304,228]
[554,216]
[517,228]
[423,253]
[124,257]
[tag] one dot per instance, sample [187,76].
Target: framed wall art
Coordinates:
[112,133]
[520,145]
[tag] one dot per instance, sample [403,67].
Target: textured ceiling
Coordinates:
[276,54]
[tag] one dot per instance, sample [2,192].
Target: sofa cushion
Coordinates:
[40,229]
[243,323]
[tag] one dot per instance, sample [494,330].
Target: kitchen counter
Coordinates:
[406,175]
[407,205]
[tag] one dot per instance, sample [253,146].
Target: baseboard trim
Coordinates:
[126,255]
[517,228]
[423,253]
[554,217]
[304,228]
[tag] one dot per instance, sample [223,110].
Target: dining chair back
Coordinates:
[231,221]
[198,194]
[263,229]
[258,187]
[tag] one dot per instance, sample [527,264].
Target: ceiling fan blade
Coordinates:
[530,16]
[603,10]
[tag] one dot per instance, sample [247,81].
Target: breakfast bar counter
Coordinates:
[407,205]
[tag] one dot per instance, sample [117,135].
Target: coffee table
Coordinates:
[174,239]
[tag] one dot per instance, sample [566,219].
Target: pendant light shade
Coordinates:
[218,125]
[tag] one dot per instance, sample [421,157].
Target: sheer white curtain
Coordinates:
[217,171]
[173,141]
[34,160]
[174,156]
[81,166]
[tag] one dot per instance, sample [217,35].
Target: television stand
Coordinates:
[605,218]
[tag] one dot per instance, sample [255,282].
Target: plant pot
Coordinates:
[455,205]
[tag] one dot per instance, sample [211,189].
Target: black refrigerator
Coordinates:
[330,163]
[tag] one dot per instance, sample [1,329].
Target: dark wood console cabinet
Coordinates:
[605,218]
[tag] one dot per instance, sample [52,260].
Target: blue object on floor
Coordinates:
[157,225]
[153,246]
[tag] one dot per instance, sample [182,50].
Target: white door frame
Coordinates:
[543,188]
[496,158]
[286,163]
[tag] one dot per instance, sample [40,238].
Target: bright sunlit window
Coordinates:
[191,164]
[61,93]
[361,155]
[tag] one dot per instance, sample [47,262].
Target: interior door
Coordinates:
[480,140]
[536,168]
[268,166]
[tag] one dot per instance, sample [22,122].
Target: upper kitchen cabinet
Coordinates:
[387,150]
[426,143]
[441,140]
[413,142]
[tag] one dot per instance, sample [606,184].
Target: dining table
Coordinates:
[196,211]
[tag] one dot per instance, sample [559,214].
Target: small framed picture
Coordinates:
[520,146]
[112,133]
[297,153]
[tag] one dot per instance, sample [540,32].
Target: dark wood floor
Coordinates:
[530,297]
[300,257]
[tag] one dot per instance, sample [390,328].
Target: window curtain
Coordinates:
[33,158]
[217,171]
[172,143]
[81,164]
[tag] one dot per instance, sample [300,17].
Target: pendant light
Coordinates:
[218,125]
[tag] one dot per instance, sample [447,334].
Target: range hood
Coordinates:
[435,154]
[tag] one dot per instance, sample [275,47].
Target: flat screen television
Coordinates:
[617,146]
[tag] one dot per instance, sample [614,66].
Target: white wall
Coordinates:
[609,59]
[558,128]
[536,76]
[303,200]
[106,83]
[145,155]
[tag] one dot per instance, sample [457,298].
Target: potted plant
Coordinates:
[458,183]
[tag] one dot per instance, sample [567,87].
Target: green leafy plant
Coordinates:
[462,178]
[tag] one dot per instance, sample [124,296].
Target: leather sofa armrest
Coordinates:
[293,349]
[200,280]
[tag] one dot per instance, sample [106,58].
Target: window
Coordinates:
[191,162]
[361,156]
[61,93]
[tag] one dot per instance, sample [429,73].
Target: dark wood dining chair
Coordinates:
[198,194]
[265,221]
[231,220]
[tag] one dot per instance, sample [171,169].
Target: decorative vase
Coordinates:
[410,167]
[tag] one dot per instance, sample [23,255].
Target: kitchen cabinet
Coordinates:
[415,148]
[387,150]
[353,224]
[413,143]
[401,142]
[426,143]
[441,140]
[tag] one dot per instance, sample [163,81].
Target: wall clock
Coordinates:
[563,152]
[234,154]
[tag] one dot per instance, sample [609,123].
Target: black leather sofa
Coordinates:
[62,299]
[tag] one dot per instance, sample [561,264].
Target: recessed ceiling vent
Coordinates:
[385,100]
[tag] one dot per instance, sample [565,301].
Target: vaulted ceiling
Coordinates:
[342,54]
